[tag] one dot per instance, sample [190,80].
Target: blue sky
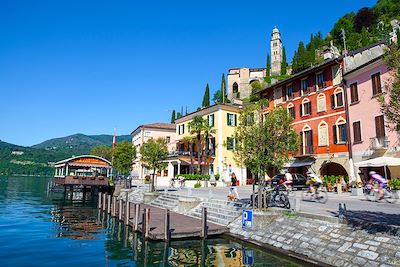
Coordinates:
[88,66]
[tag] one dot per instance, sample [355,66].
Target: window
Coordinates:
[379,126]
[354,92]
[291,110]
[340,132]
[304,87]
[323,134]
[289,92]
[321,103]
[250,119]
[320,80]
[188,127]
[278,95]
[235,88]
[168,139]
[305,107]
[376,83]
[231,119]
[230,143]
[181,129]
[147,134]
[306,140]
[337,98]
[211,120]
[357,131]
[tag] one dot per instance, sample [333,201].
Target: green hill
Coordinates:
[37,160]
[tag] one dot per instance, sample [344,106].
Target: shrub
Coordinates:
[395,184]
[199,177]
[217,177]
[147,179]
[197,185]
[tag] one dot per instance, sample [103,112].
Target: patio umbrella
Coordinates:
[380,162]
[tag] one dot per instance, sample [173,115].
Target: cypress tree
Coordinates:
[173,117]
[206,97]
[268,64]
[178,115]
[223,90]
[284,62]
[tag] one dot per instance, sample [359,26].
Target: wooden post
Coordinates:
[137,212]
[146,225]
[167,232]
[114,206]
[109,204]
[127,211]
[99,201]
[204,227]
[104,201]
[120,210]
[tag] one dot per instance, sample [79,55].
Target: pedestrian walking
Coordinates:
[233,193]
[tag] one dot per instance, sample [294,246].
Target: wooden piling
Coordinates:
[99,201]
[109,204]
[136,221]
[127,210]
[120,210]
[114,206]
[104,206]
[167,231]
[204,231]
[146,225]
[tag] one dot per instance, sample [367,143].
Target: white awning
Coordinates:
[295,164]
[379,162]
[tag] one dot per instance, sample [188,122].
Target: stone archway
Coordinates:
[333,168]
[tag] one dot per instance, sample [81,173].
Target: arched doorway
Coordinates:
[333,168]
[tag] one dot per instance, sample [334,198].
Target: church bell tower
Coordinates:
[276,52]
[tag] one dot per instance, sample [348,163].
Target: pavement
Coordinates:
[357,206]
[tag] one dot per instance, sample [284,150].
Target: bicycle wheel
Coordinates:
[370,195]
[284,201]
[322,197]
[388,195]
[306,195]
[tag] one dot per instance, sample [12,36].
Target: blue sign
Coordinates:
[247,255]
[247,219]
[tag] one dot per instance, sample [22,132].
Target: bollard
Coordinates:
[114,206]
[167,232]
[99,201]
[342,212]
[104,205]
[109,204]
[137,211]
[120,210]
[204,227]
[127,211]
[296,207]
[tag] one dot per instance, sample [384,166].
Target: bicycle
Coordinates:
[371,194]
[172,182]
[320,195]
[274,198]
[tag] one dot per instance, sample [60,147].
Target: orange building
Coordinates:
[315,99]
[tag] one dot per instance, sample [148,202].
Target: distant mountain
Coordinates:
[80,143]
[38,159]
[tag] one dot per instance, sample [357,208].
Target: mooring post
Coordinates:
[104,201]
[137,212]
[114,206]
[167,232]
[342,212]
[120,210]
[99,201]
[127,210]
[204,227]
[109,204]
[147,222]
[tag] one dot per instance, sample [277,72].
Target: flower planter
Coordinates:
[396,194]
[357,191]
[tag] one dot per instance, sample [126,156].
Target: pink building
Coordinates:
[369,135]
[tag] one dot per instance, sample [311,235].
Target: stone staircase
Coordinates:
[166,201]
[220,211]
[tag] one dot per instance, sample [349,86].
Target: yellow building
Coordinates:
[217,149]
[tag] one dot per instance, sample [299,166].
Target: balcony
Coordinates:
[305,151]
[378,143]
[182,153]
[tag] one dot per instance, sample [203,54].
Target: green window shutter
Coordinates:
[227,119]
[235,120]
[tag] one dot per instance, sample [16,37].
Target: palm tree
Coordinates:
[196,127]
[189,140]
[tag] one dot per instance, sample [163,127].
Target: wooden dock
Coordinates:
[181,226]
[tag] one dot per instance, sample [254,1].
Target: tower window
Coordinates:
[235,88]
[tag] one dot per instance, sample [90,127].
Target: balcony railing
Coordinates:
[379,142]
[188,153]
[305,150]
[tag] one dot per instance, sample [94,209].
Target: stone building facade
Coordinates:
[276,52]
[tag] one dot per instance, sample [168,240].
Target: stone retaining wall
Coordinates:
[326,241]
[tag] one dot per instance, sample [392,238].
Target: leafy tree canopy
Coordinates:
[124,153]
[104,152]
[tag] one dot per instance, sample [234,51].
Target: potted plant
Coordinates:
[395,186]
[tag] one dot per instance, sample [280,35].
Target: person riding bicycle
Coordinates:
[382,182]
[288,180]
[314,181]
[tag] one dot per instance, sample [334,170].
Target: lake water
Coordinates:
[40,229]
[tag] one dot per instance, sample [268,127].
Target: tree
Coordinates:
[390,101]
[189,140]
[206,97]
[123,155]
[264,142]
[104,152]
[154,152]
[178,115]
[268,64]
[197,127]
[223,90]
[284,62]
[217,96]
[364,18]
[173,117]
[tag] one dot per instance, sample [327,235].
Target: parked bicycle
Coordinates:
[272,197]
[371,193]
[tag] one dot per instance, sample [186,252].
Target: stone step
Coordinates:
[220,211]
[213,219]
[223,215]
[222,207]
